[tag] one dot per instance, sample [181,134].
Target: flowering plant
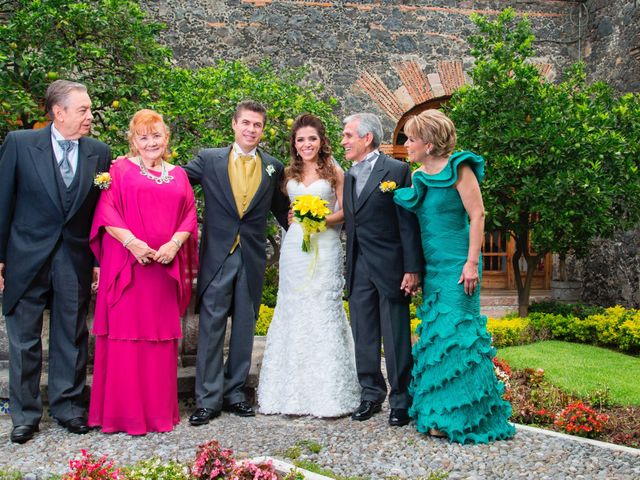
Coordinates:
[155,469]
[102,180]
[580,419]
[213,462]
[216,463]
[250,471]
[310,211]
[388,186]
[92,468]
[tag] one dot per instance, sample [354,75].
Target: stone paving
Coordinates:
[368,449]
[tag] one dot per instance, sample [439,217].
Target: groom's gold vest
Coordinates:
[245,178]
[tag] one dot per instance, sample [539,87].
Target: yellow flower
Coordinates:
[102,180]
[310,211]
[388,186]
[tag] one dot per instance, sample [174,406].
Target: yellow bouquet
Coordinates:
[310,211]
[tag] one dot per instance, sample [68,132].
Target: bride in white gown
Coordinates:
[309,362]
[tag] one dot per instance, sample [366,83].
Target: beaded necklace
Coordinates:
[164,175]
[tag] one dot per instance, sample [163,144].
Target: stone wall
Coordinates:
[611,272]
[384,55]
[612,42]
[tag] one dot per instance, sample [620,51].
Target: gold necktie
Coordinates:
[248,166]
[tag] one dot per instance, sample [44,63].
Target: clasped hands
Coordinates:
[410,283]
[145,254]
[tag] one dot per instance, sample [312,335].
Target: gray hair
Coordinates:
[367,123]
[58,94]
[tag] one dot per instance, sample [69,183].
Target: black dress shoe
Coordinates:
[202,416]
[366,410]
[76,425]
[241,409]
[23,433]
[399,417]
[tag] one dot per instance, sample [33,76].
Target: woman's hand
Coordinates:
[469,277]
[166,253]
[144,253]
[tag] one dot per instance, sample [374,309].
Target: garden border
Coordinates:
[597,443]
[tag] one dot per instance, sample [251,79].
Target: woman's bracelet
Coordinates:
[128,240]
[177,242]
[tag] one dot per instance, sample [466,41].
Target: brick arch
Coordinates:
[419,90]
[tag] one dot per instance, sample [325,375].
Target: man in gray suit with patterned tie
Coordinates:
[384,259]
[47,200]
[241,185]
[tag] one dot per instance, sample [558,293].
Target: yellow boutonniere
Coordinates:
[102,180]
[388,186]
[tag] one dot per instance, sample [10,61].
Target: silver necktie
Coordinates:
[362,171]
[65,167]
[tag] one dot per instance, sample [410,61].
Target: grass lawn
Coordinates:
[580,369]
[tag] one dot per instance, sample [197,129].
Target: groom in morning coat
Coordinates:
[47,199]
[384,261]
[241,184]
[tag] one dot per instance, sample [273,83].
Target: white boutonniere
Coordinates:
[270,170]
[388,186]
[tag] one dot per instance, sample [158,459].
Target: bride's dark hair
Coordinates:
[325,165]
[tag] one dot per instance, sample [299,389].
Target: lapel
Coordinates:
[87,163]
[348,194]
[264,182]
[221,168]
[42,156]
[377,174]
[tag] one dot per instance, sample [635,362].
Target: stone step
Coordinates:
[186,375]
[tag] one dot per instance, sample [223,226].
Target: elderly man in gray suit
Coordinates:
[47,199]
[384,261]
[241,185]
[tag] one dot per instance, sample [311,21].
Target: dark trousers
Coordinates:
[227,294]
[375,318]
[56,282]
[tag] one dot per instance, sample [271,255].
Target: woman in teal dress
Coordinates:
[455,391]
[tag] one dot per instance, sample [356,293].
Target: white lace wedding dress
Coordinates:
[309,362]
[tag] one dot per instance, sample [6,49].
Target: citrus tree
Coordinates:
[562,159]
[101,43]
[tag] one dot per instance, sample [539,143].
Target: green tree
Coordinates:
[102,43]
[562,159]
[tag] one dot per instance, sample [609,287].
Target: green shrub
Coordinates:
[614,327]
[270,287]
[579,310]
[509,331]
[264,320]
[155,469]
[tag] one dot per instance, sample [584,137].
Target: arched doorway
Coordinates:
[498,246]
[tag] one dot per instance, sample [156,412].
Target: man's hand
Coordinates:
[95,281]
[1,277]
[117,159]
[410,283]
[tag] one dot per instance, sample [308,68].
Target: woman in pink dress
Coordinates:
[144,236]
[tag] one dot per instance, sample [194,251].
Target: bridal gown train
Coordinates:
[309,362]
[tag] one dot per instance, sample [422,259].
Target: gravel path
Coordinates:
[368,449]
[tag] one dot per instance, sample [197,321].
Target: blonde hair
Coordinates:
[144,121]
[433,126]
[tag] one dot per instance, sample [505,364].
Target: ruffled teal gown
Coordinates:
[453,384]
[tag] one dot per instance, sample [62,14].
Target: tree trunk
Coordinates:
[562,267]
[275,257]
[524,288]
